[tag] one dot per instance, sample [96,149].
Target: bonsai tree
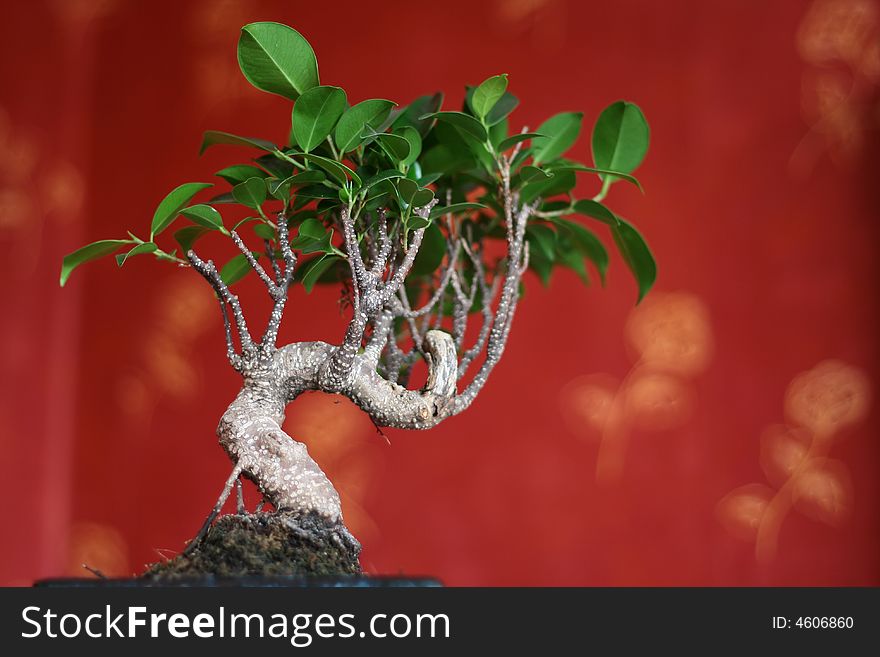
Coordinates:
[426,218]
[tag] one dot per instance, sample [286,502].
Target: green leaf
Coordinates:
[396,146]
[620,137]
[568,256]
[596,210]
[239,173]
[574,166]
[543,238]
[278,59]
[316,191]
[513,140]
[146,247]
[275,165]
[89,252]
[498,133]
[171,205]
[454,208]
[560,183]
[636,254]
[188,235]
[213,137]
[414,140]
[312,227]
[562,131]
[430,253]
[237,268]
[379,177]
[502,109]
[204,215]
[505,105]
[337,170]
[307,178]
[429,179]
[529,173]
[244,221]
[462,121]
[313,237]
[415,222]
[406,189]
[487,94]
[422,197]
[279,189]
[264,231]
[315,115]
[410,115]
[251,193]
[540,263]
[587,243]
[352,123]
[225,197]
[316,269]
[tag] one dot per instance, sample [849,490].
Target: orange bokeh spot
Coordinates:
[659,401]
[742,509]
[827,398]
[671,331]
[97,546]
[783,449]
[823,492]
[587,402]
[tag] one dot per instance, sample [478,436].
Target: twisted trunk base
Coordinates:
[308,510]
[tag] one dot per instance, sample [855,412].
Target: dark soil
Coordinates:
[268,545]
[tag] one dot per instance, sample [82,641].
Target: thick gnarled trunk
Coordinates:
[288,478]
[251,428]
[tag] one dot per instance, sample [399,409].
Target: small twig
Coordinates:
[239,499]
[210,273]
[355,261]
[234,358]
[165,553]
[379,430]
[270,253]
[274,290]
[283,286]
[224,495]
[396,281]
[385,243]
[94,571]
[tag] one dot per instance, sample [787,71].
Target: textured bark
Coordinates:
[250,429]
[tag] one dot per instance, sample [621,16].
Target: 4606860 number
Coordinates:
[824,622]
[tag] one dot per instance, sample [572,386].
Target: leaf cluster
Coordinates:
[375,155]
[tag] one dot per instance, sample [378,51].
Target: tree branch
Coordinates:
[381,326]
[234,358]
[270,253]
[515,219]
[488,293]
[274,291]
[396,280]
[355,261]
[282,286]
[384,249]
[210,273]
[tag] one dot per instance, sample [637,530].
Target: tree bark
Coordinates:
[251,428]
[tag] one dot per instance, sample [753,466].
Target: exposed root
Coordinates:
[224,495]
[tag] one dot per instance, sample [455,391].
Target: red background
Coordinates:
[760,206]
